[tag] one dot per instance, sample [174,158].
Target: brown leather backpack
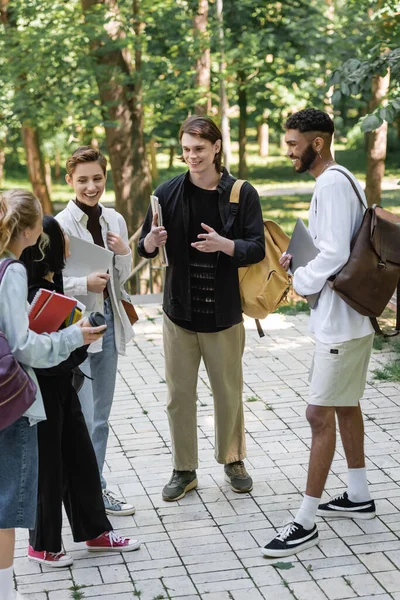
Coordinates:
[370,277]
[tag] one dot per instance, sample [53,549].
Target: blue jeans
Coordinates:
[18,475]
[96,396]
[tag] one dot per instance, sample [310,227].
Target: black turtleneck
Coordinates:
[93,224]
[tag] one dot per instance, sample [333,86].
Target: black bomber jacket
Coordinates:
[247,232]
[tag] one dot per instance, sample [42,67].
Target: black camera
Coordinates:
[96,319]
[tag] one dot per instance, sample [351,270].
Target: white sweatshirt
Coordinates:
[335,216]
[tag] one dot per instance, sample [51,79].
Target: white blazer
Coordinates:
[74,222]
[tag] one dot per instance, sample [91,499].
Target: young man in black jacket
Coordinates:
[203,316]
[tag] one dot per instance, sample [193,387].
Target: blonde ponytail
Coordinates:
[19,210]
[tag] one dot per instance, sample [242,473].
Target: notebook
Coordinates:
[156,209]
[48,310]
[303,250]
[77,313]
[86,257]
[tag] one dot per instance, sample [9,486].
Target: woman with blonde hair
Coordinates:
[20,227]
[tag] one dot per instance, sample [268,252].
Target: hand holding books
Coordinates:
[157,237]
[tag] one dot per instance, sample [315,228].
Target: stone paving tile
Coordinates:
[207,545]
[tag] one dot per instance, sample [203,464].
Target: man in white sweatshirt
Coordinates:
[343,337]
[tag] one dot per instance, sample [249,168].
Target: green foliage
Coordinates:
[374,43]
[284,73]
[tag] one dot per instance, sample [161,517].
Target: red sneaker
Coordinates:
[51,559]
[110,541]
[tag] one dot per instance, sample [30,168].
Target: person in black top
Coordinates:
[203,316]
[68,471]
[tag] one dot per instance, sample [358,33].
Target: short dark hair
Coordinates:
[85,154]
[50,259]
[205,128]
[311,119]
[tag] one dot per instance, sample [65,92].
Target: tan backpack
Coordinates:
[264,285]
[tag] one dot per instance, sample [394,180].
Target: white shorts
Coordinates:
[339,371]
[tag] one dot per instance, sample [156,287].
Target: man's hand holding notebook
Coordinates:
[302,250]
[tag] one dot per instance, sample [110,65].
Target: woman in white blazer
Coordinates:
[86,218]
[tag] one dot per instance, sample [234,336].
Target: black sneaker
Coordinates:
[343,507]
[180,483]
[291,539]
[238,477]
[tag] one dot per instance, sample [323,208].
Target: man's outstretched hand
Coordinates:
[213,242]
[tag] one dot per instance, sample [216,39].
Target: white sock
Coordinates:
[7,591]
[307,512]
[357,488]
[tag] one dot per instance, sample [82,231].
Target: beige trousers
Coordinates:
[222,355]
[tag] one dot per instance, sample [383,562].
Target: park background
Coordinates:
[122,75]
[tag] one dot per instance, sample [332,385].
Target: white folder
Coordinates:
[87,257]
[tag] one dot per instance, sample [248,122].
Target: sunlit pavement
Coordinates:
[208,544]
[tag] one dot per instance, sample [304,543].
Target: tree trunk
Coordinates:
[153,159]
[36,170]
[4,21]
[223,102]
[243,170]
[171,157]
[4,11]
[282,144]
[3,139]
[57,166]
[263,139]
[47,175]
[376,143]
[203,62]
[121,95]
[2,161]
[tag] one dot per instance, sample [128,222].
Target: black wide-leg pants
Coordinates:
[68,470]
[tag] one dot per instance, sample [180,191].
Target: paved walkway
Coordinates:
[207,545]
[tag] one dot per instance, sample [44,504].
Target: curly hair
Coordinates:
[310,119]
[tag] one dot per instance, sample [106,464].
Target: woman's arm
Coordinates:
[29,348]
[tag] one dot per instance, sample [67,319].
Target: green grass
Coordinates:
[379,342]
[285,210]
[252,399]
[390,371]
[76,591]
[293,307]
[273,172]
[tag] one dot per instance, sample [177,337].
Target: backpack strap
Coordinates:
[396,331]
[234,200]
[6,263]
[353,185]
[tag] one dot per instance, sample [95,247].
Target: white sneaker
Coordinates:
[116,507]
